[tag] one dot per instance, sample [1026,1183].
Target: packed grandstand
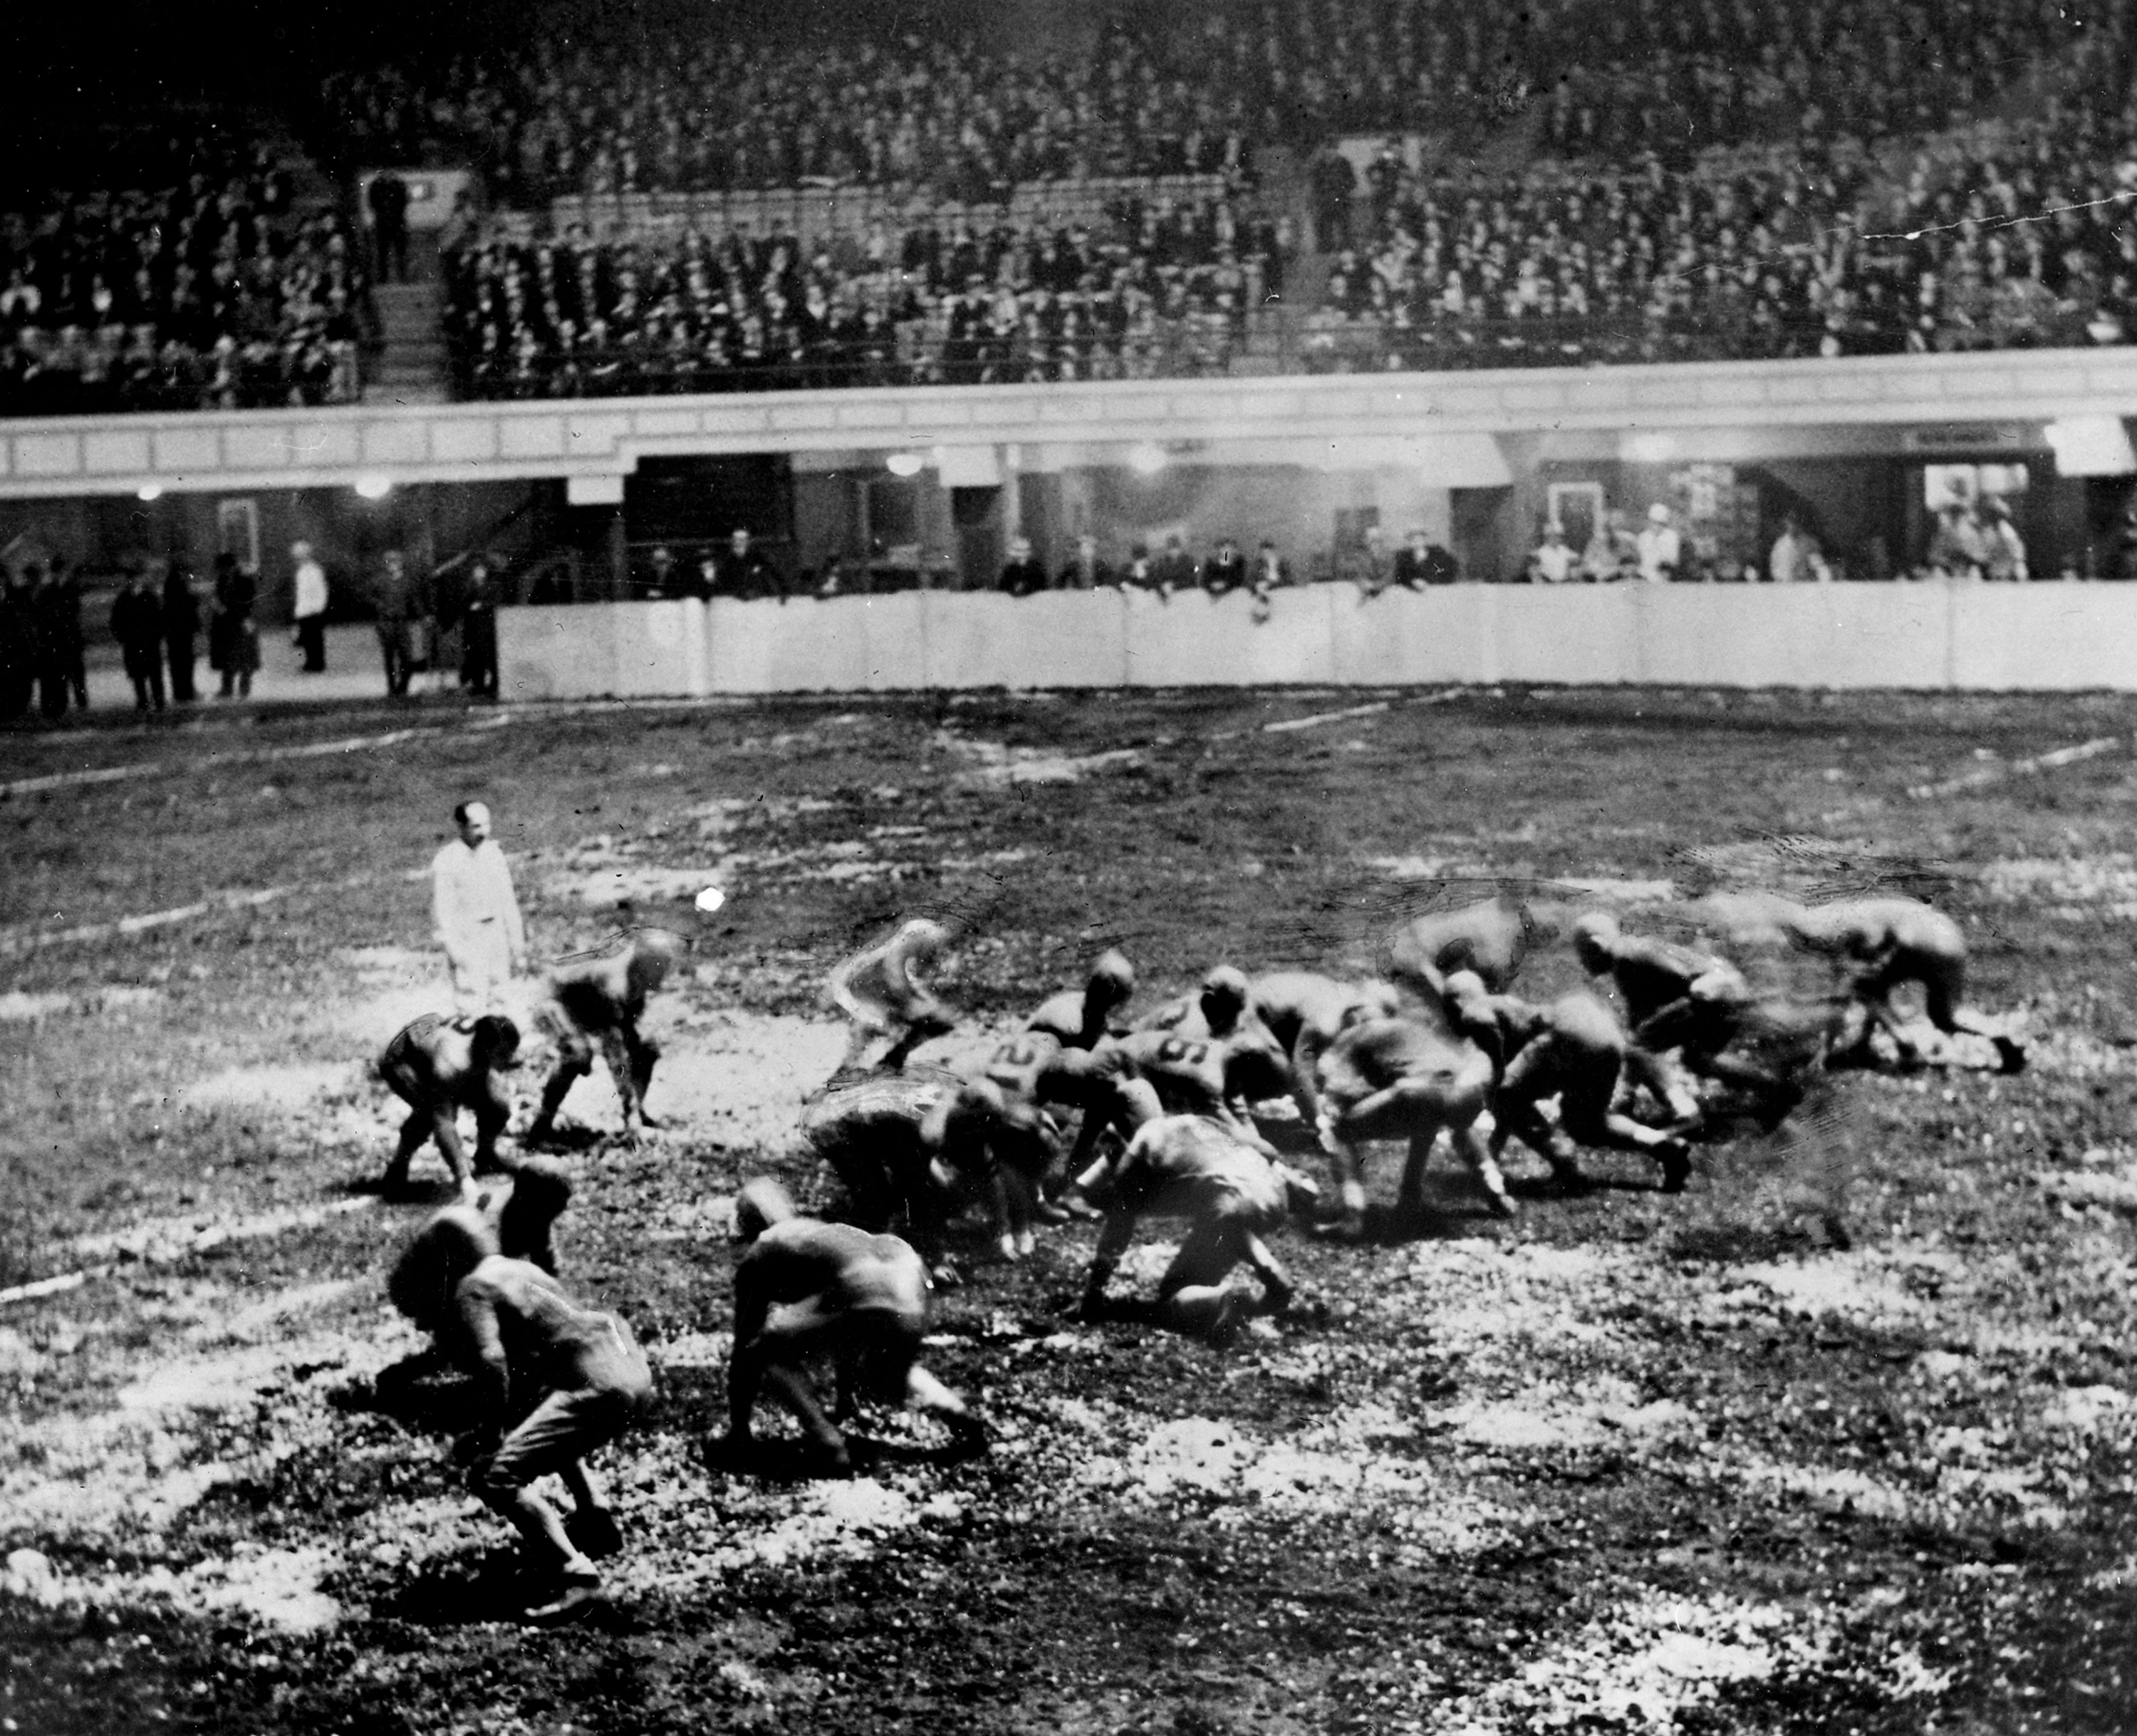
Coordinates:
[708,204]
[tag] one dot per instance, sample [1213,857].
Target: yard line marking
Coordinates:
[1442,697]
[250,756]
[235,898]
[139,1246]
[51,1287]
[61,780]
[2039,762]
[1315,720]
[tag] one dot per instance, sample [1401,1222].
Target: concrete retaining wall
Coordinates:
[1955,635]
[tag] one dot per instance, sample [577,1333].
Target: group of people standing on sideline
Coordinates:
[159,615]
[157,618]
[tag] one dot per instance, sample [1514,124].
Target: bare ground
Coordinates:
[1841,1438]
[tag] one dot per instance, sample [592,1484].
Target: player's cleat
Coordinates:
[1229,1318]
[1343,1226]
[573,1595]
[1677,1167]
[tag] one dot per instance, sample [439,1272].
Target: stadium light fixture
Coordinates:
[905,464]
[1650,447]
[1146,458]
[374,487]
[149,491]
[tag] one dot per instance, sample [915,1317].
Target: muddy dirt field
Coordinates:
[1840,1439]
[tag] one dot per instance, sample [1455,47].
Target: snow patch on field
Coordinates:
[1340,1465]
[133,1470]
[1641,1666]
[2109,879]
[735,1079]
[287,1087]
[278,1588]
[993,764]
[640,883]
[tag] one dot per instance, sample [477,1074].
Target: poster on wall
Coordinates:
[237,532]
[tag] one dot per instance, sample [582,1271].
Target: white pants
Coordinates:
[481,967]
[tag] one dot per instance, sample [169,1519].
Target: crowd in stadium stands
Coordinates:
[192,284]
[1157,290]
[1805,253]
[1186,89]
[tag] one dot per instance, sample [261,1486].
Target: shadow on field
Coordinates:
[422,1393]
[790,1458]
[493,1587]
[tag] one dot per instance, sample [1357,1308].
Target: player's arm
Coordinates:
[1113,1239]
[1126,1188]
[1406,1092]
[480,1351]
[1275,1282]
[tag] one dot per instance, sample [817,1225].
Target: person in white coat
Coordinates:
[310,611]
[1662,548]
[477,913]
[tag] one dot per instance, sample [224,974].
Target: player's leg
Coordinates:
[923,1019]
[1664,1083]
[1942,978]
[1014,1196]
[552,1437]
[444,1129]
[1277,1288]
[914,1186]
[1535,1073]
[642,1052]
[866,1019]
[860,1168]
[1346,1165]
[492,1112]
[616,1053]
[1192,1295]
[1585,1112]
[1470,1144]
[414,1131]
[403,1081]
[1409,1199]
[575,1060]
[772,1359]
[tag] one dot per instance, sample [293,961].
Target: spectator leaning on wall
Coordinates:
[2003,553]
[1084,570]
[1225,570]
[1022,574]
[1554,561]
[746,571]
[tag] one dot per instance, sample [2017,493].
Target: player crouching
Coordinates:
[597,998]
[806,1288]
[1232,1196]
[553,1382]
[912,1143]
[438,1067]
[1572,1048]
[880,992]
